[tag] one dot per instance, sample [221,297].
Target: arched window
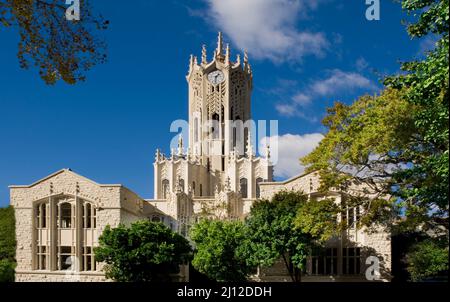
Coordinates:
[156,219]
[181,184]
[164,188]
[65,218]
[215,126]
[89,216]
[42,216]
[258,189]
[193,188]
[243,187]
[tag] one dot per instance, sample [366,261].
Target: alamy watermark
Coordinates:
[212,136]
[73,11]
[373,10]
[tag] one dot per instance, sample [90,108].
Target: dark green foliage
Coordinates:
[146,251]
[220,250]
[428,258]
[7,270]
[272,233]
[7,244]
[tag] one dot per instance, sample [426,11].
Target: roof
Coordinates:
[66,170]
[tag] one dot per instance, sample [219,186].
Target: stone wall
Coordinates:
[33,276]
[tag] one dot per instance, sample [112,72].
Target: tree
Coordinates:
[272,234]
[397,144]
[424,186]
[220,250]
[366,145]
[146,251]
[318,218]
[59,48]
[7,244]
[428,258]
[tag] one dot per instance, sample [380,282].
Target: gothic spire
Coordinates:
[180,145]
[204,59]
[219,44]
[246,65]
[191,63]
[227,54]
[250,153]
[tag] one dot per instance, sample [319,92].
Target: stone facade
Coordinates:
[59,218]
[368,242]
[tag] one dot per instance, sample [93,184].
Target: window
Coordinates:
[193,188]
[351,264]
[65,218]
[165,188]
[324,261]
[196,130]
[66,258]
[331,261]
[258,189]
[350,215]
[243,187]
[42,216]
[88,263]
[181,184]
[201,190]
[215,126]
[42,257]
[156,219]
[89,216]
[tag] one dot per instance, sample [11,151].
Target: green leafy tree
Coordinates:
[318,218]
[428,258]
[272,234]
[7,244]
[424,186]
[144,252]
[220,250]
[59,48]
[366,145]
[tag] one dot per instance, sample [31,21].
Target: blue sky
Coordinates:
[304,55]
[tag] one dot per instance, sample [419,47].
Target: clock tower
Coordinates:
[219,105]
[220,157]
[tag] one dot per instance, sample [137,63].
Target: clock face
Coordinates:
[216,77]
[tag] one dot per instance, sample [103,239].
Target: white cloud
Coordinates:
[301,99]
[287,149]
[341,81]
[336,82]
[267,28]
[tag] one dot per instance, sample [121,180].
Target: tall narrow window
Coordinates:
[42,255]
[201,190]
[65,215]
[164,188]
[196,130]
[215,131]
[331,261]
[66,258]
[88,262]
[193,188]
[351,261]
[243,187]
[89,216]
[258,188]
[181,184]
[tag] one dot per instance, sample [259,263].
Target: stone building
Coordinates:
[218,175]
